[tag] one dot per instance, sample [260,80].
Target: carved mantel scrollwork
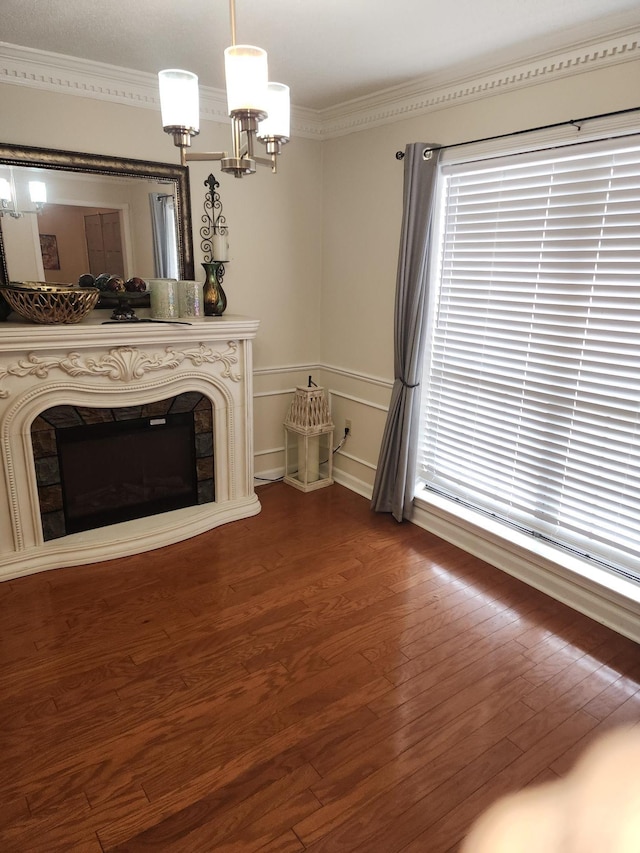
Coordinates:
[123,364]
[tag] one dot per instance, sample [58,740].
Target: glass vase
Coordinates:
[214,297]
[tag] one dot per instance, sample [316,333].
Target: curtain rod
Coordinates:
[574,121]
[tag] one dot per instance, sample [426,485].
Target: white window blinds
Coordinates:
[531,390]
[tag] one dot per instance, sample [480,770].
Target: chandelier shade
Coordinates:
[277,123]
[10,194]
[179,100]
[38,192]
[246,71]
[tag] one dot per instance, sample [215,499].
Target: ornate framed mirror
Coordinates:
[84,190]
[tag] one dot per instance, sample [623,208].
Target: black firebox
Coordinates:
[121,470]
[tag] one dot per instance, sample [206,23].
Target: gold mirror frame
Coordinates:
[74,161]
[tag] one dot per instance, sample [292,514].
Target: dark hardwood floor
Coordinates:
[317,678]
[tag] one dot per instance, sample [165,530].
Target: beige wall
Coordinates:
[313,249]
[274,224]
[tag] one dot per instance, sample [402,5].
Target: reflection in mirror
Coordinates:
[101,215]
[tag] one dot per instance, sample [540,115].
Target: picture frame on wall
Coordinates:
[49,250]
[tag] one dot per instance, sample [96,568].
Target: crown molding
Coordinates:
[54,72]
[85,78]
[437,92]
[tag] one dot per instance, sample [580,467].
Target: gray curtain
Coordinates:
[395,475]
[163,225]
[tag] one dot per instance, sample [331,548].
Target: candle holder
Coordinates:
[215,246]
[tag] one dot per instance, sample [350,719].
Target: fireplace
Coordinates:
[54,379]
[96,467]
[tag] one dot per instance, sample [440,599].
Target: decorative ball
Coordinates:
[101,280]
[86,280]
[135,285]
[115,284]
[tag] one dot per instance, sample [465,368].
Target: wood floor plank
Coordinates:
[374,772]
[257,722]
[207,824]
[531,767]
[626,713]
[385,803]
[476,702]
[492,627]
[260,688]
[607,701]
[295,743]
[455,823]
[423,814]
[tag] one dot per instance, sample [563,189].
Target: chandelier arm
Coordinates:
[206,155]
[266,161]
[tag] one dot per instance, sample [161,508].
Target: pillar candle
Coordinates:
[190,299]
[220,247]
[164,298]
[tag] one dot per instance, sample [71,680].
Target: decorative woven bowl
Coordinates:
[42,303]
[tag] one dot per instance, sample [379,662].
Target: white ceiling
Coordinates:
[328,52]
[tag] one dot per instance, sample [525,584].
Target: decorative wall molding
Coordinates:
[361,377]
[283,369]
[367,393]
[307,369]
[358,460]
[68,75]
[359,400]
[275,392]
[269,450]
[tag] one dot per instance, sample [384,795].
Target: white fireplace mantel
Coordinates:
[99,365]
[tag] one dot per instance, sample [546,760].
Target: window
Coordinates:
[531,392]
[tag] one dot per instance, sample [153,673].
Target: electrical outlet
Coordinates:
[347,426]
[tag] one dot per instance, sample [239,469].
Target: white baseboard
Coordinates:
[263,478]
[600,603]
[353,483]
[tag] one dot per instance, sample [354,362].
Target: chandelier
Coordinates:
[259,110]
[9,197]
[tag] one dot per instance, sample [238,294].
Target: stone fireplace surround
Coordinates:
[110,366]
[44,442]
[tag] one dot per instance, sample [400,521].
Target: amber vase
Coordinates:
[214,297]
